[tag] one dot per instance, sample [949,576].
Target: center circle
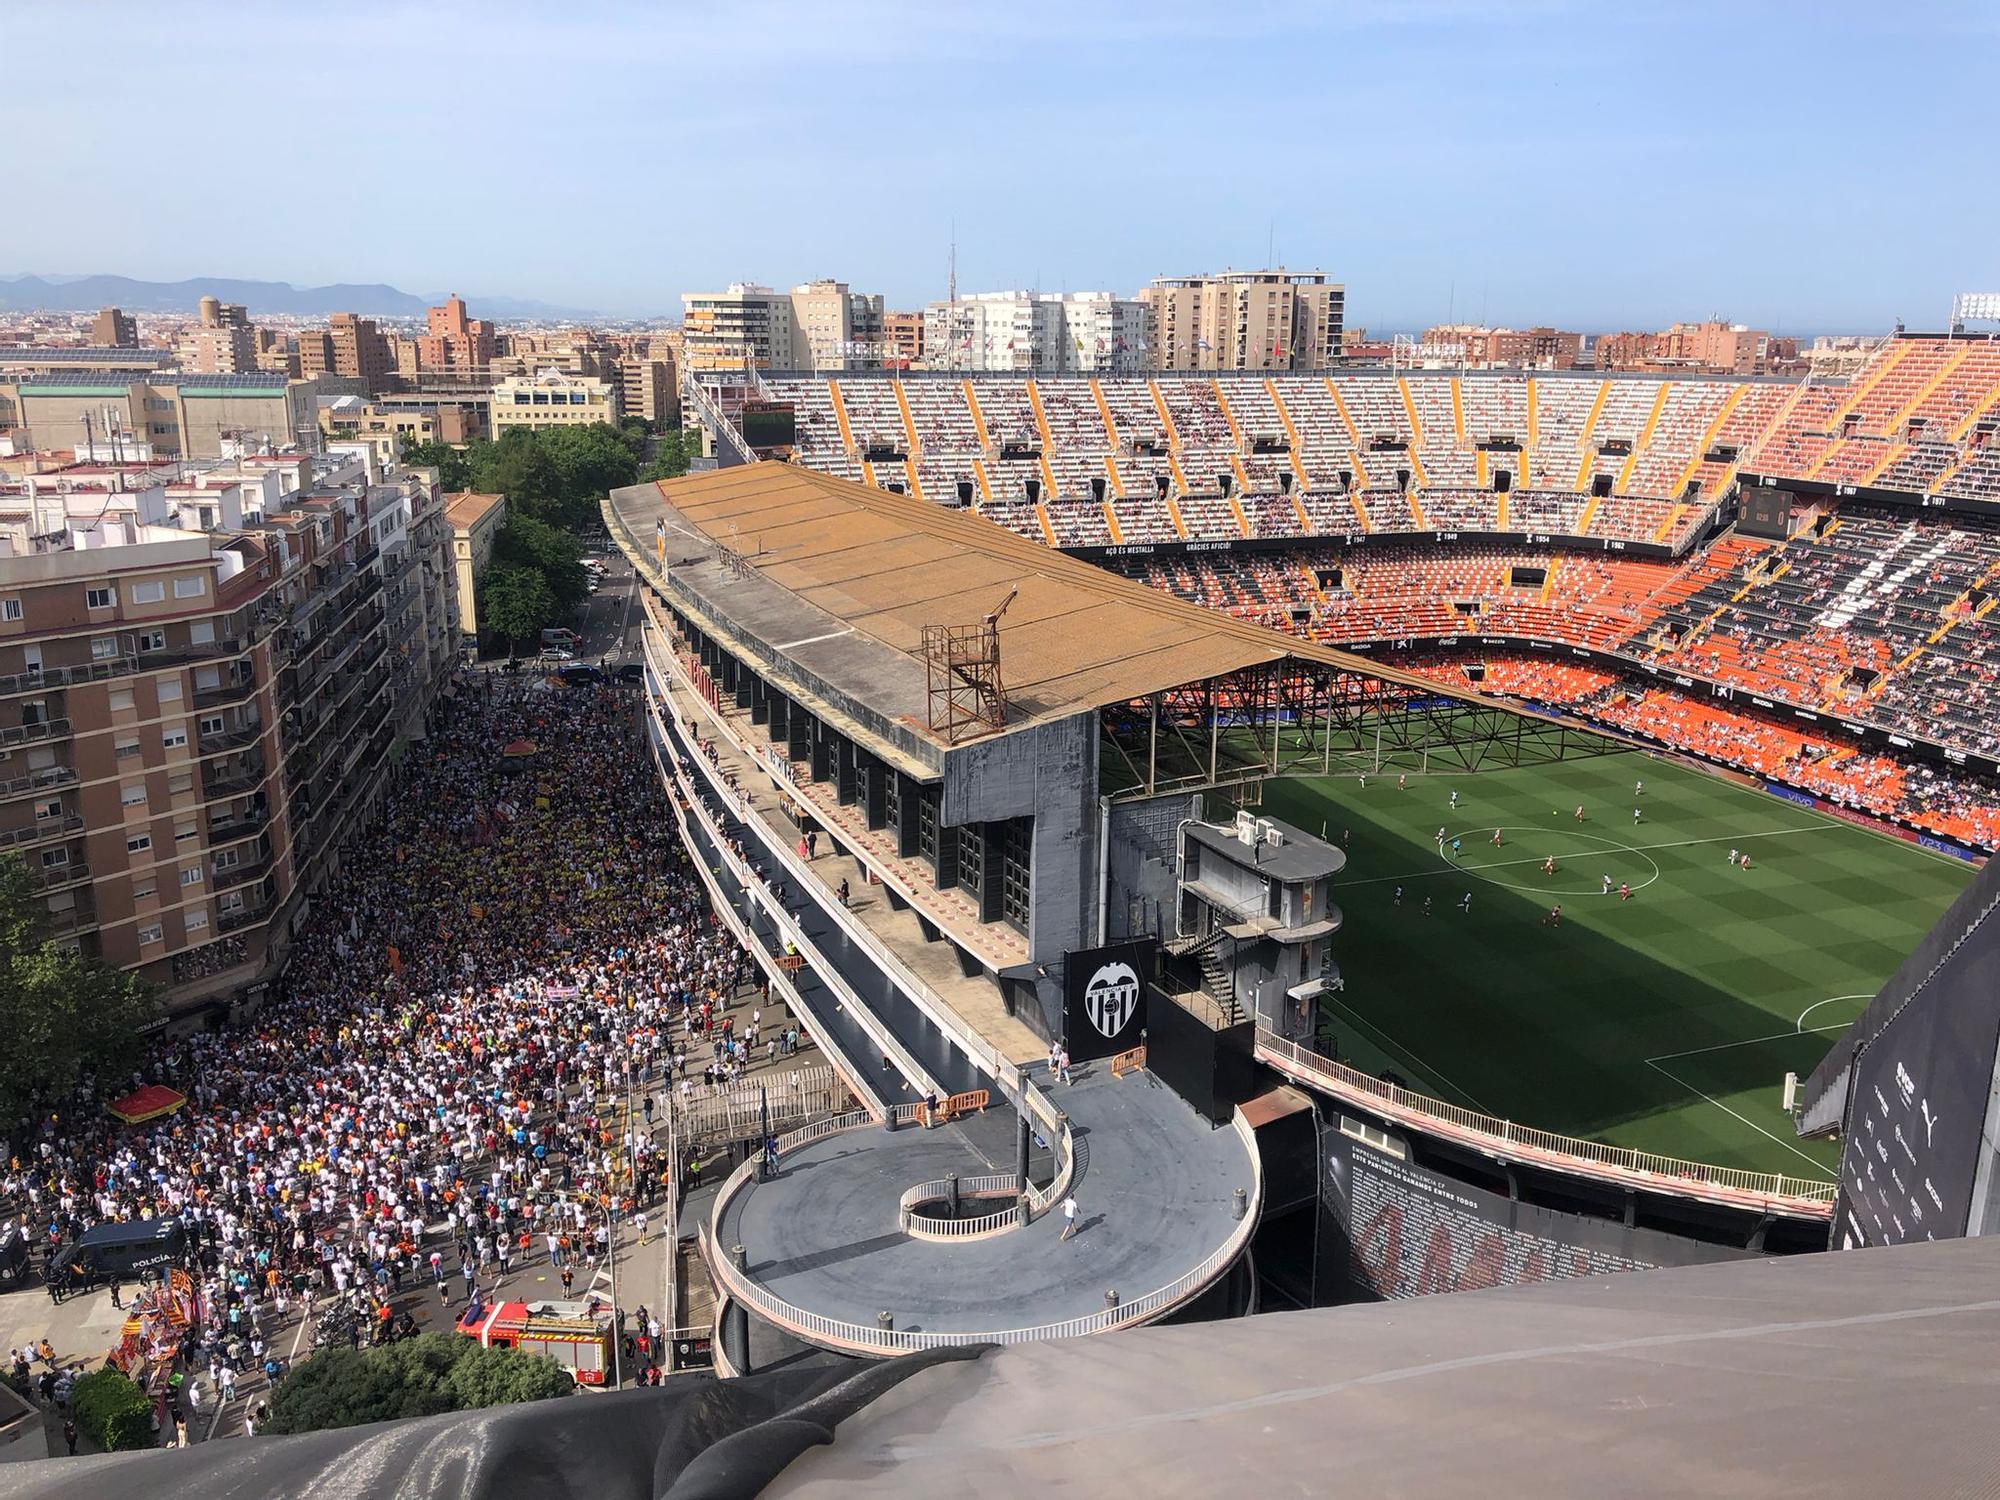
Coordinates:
[1533,862]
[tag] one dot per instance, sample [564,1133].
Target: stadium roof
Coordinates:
[854,560]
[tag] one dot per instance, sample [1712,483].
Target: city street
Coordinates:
[85,1327]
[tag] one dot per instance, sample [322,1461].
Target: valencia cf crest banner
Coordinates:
[1104,998]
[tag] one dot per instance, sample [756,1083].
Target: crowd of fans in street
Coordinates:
[515,950]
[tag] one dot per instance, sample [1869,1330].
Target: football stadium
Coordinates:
[1166,749]
[1768,599]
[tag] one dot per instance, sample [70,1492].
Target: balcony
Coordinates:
[227,693]
[228,830]
[40,829]
[55,877]
[189,653]
[223,740]
[37,781]
[34,734]
[249,869]
[246,915]
[58,677]
[231,781]
[76,918]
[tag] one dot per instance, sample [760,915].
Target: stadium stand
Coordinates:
[1873,611]
[823,441]
[1323,439]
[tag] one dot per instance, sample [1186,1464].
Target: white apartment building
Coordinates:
[822,327]
[1036,333]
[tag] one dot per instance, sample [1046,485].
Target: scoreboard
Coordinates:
[1765,512]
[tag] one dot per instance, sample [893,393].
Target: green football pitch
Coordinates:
[1666,1022]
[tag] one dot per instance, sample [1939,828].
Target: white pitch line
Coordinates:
[1801,1023]
[1748,1041]
[1535,859]
[1774,1140]
[1391,1042]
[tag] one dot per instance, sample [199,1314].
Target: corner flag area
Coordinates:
[1663,1020]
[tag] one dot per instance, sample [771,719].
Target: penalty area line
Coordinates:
[1818,1170]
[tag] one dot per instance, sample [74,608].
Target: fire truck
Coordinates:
[576,1335]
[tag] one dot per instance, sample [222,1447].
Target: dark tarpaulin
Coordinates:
[694,1438]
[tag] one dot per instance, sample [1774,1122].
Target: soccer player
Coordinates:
[1496,838]
[1399,895]
[1454,848]
[1624,890]
[1403,782]
[1549,865]
[1465,902]
[1638,788]
[1744,862]
[1440,838]
[1635,817]
[1427,906]
[1454,799]
[1555,916]
[1732,856]
[1579,812]
[1607,885]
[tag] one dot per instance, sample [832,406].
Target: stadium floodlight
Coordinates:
[1976,307]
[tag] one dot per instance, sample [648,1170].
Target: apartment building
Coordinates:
[821,327]
[902,339]
[453,341]
[1036,333]
[349,346]
[475,521]
[649,389]
[551,399]
[1473,346]
[1244,320]
[1711,347]
[386,429]
[114,328]
[834,328]
[419,593]
[192,722]
[223,342]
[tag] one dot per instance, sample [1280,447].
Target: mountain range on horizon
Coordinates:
[72,293]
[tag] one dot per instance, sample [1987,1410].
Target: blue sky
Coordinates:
[1617,164]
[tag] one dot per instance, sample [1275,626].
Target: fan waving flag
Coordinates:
[148,1103]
